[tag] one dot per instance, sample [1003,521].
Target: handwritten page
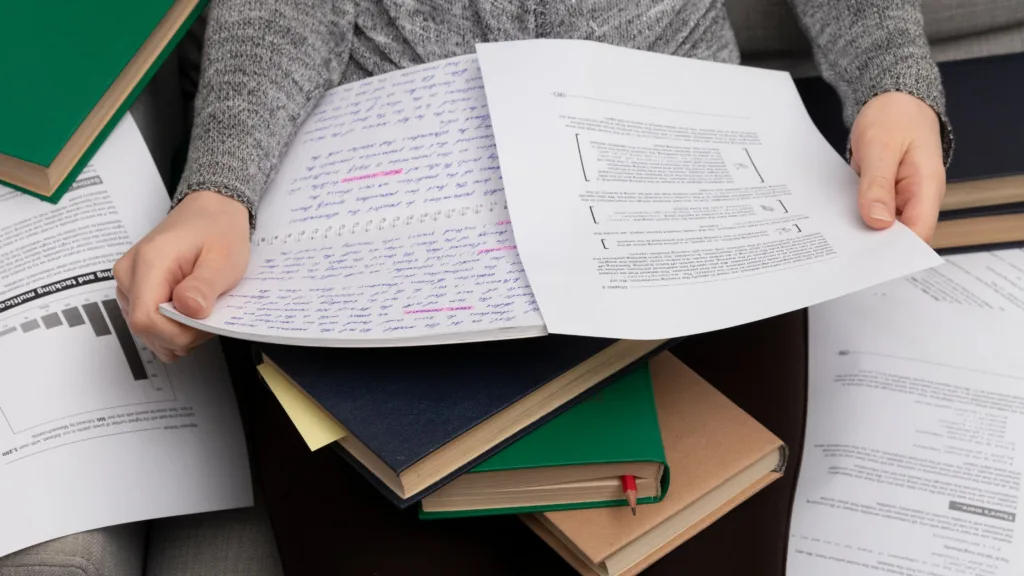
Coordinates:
[418,284]
[656,196]
[95,431]
[386,224]
[399,147]
[910,464]
[987,280]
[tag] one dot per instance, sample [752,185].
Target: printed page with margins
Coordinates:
[94,430]
[655,196]
[915,413]
[991,280]
[386,224]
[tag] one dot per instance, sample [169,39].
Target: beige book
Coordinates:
[719,457]
[985,192]
[980,231]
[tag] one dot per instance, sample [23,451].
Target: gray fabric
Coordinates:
[266,62]
[768,29]
[230,543]
[1006,41]
[114,551]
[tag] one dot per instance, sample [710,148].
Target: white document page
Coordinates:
[988,280]
[94,429]
[386,224]
[914,419]
[655,196]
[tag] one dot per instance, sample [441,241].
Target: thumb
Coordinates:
[215,272]
[879,161]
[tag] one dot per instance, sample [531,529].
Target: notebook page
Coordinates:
[426,283]
[410,144]
[386,224]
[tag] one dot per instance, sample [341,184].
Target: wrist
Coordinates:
[222,203]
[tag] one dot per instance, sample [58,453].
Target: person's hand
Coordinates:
[896,149]
[199,252]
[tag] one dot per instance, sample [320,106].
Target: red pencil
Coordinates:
[629,487]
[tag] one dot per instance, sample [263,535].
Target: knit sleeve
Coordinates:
[265,65]
[864,48]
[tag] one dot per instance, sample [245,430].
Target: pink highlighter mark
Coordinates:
[445,309]
[372,175]
[502,222]
[498,249]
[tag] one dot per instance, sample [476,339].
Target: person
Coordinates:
[266,62]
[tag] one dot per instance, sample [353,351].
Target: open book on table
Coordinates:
[652,197]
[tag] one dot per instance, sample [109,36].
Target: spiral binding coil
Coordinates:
[340,230]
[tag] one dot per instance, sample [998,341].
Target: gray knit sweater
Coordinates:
[267,62]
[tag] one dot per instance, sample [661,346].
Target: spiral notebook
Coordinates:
[386,224]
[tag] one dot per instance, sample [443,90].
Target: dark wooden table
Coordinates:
[329,520]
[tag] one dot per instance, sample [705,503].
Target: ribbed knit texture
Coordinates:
[267,62]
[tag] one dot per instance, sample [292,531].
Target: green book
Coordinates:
[576,460]
[71,69]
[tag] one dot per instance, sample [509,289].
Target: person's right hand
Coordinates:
[199,252]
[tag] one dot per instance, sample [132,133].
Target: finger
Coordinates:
[924,193]
[215,272]
[153,281]
[163,354]
[200,338]
[122,301]
[123,271]
[879,159]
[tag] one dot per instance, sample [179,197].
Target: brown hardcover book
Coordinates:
[719,457]
[997,191]
[981,214]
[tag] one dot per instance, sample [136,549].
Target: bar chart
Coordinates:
[71,357]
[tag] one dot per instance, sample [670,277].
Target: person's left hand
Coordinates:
[896,149]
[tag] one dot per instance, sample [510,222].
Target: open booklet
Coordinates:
[648,197]
[915,411]
[94,430]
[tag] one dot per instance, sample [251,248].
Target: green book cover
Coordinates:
[58,59]
[619,423]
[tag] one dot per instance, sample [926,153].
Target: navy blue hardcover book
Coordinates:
[417,417]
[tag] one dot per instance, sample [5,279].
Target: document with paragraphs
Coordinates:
[655,196]
[94,430]
[386,224]
[911,463]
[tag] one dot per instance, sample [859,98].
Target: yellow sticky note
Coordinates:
[316,426]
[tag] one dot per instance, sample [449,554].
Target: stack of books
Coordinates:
[423,427]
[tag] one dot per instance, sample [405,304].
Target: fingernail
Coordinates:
[198,300]
[880,211]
